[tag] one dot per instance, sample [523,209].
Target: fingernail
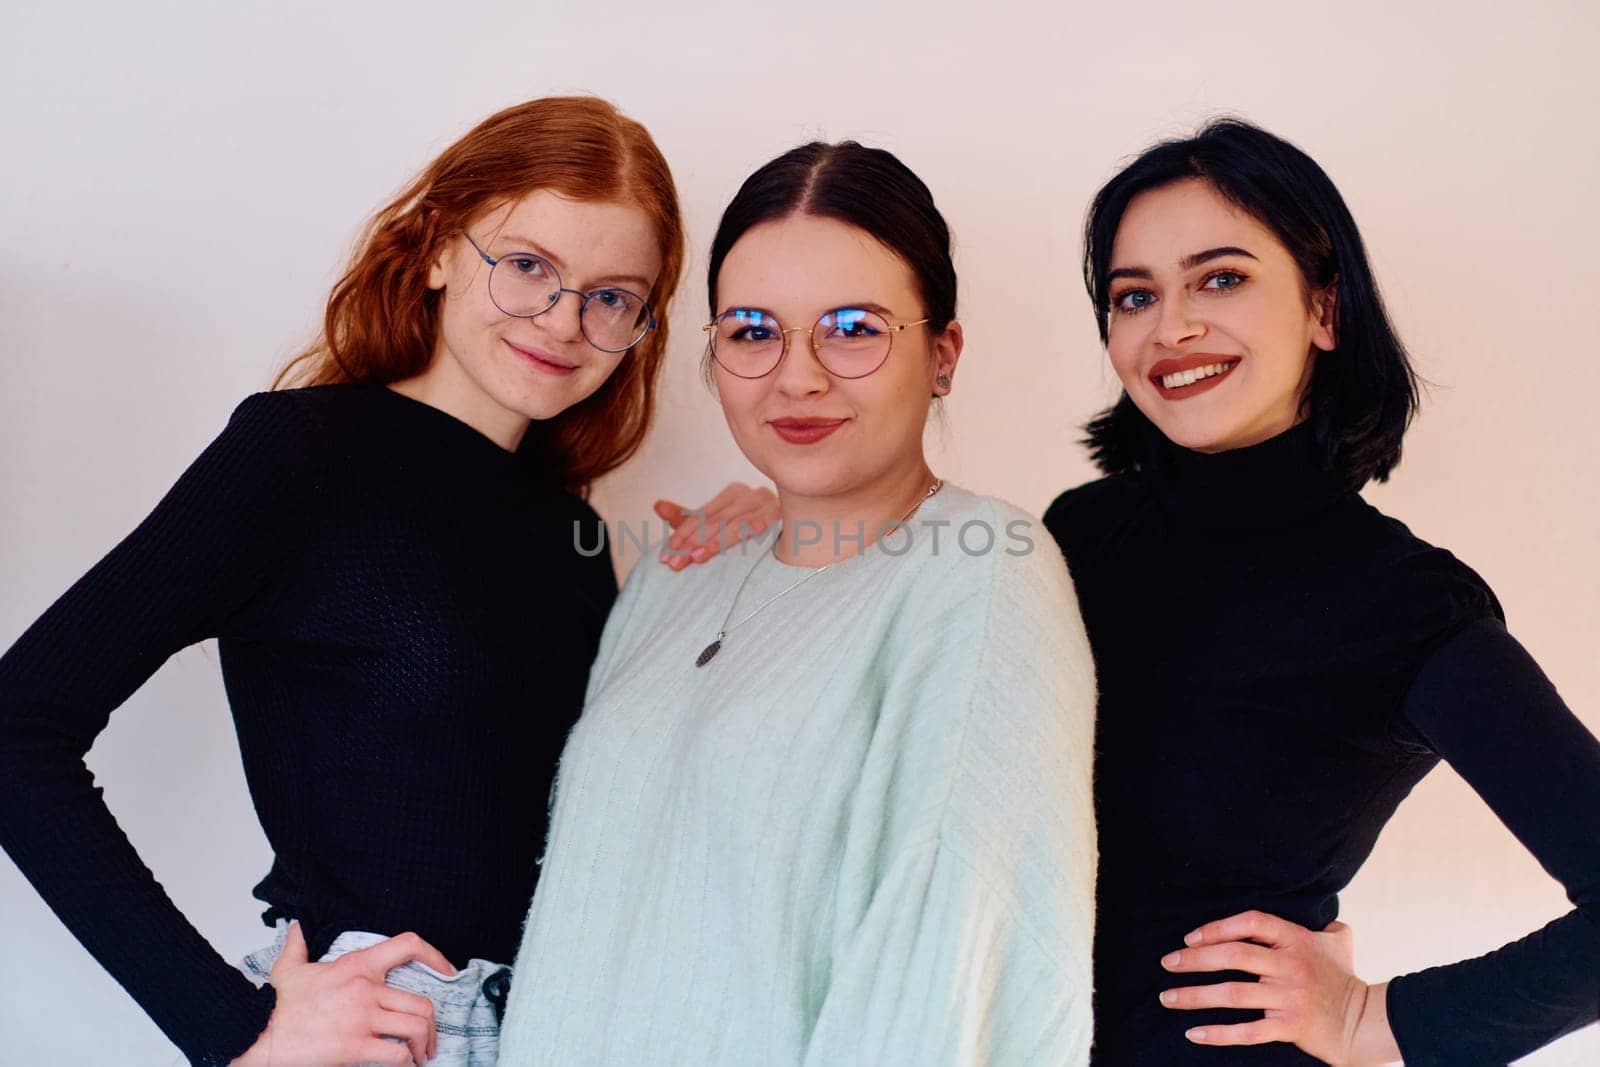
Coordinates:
[1192,938]
[699,555]
[1172,960]
[1170,996]
[1195,1035]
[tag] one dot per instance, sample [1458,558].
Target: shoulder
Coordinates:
[1078,515]
[270,443]
[283,415]
[571,510]
[974,541]
[995,567]
[1427,590]
[1112,492]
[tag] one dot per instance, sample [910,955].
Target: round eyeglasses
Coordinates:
[524,285]
[849,342]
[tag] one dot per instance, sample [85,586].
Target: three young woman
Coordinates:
[829,803]
[1279,662]
[405,627]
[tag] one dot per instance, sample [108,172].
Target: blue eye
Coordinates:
[528,266]
[852,324]
[1134,300]
[1224,279]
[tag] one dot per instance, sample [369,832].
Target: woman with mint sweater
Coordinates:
[828,803]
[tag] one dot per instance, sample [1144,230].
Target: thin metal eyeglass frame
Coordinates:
[649,312]
[711,342]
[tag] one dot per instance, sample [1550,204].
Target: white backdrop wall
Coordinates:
[182,182]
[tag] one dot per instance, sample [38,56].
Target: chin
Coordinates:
[540,404]
[1196,438]
[815,478]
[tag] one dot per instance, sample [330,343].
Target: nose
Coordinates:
[564,319]
[1178,324]
[799,373]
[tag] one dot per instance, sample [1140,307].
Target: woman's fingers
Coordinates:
[1259,1032]
[387,1053]
[378,960]
[700,538]
[1249,996]
[717,518]
[294,951]
[398,1000]
[1248,926]
[1308,990]
[1231,956]
[736,529]
[409,1028]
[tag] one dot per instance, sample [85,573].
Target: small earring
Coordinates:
[943,380]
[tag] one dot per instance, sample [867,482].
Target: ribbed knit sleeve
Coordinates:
[976,926]
[1484,705]
[189,570]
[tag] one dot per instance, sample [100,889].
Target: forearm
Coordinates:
[1483,704]
[67,844]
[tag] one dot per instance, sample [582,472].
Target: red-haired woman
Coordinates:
[389,555]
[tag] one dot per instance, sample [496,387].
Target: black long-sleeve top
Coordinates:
[1279,665]
[405,634]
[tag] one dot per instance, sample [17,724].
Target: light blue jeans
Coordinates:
[466,1006]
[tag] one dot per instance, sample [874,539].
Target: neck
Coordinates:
[1269,485]
[444,385]
[823,529]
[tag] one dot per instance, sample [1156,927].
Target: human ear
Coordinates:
[1325,308]
[946,346]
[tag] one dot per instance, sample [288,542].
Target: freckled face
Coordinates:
[535,368]
[1210,329]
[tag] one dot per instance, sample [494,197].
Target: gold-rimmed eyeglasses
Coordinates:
[850,342]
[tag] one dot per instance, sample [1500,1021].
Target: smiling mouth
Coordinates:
[805,431]
[542,360]
[1179,382]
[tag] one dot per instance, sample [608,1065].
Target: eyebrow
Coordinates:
[1189,262]
[527,244]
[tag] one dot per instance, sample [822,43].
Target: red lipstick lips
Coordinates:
[805,431]
[1179,379]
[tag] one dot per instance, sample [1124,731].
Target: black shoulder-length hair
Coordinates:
[1364,392]
[868,188]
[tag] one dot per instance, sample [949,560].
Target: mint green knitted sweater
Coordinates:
[862,834]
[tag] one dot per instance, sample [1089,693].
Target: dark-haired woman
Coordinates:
[828,804]
[388,558]
[1279,662]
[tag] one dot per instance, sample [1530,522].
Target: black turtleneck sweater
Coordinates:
[405,634]
[1279,664]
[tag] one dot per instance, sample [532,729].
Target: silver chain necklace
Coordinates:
[709,653]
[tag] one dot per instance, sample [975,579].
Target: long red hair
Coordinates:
[381,320]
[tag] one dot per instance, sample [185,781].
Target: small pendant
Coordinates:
[709,652]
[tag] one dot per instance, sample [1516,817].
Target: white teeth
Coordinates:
[1189,377]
